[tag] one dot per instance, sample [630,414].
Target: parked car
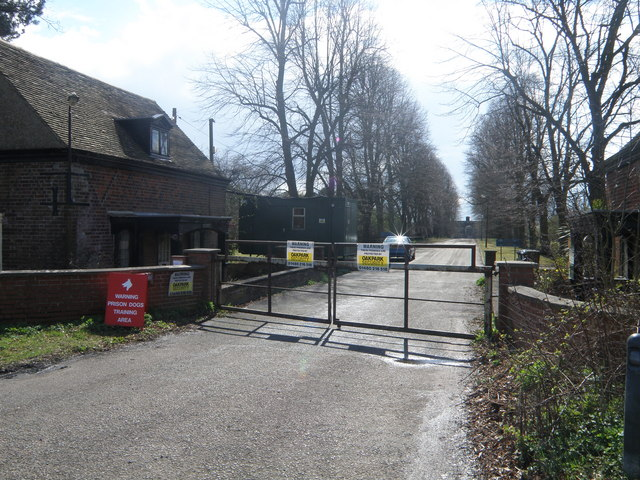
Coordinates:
[397,246]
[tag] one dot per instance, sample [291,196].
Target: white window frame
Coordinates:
[164,249]
[123,248]
[159,142]
[296,216]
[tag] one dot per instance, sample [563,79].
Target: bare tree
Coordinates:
[328,112]
[258,84]
[498,173]
[370,125]
[392,168]
[333,44]
[584,55]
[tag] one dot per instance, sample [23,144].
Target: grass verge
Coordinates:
[25,347]
[506,254]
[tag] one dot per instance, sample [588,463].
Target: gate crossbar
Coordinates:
[331,264]
[385,297]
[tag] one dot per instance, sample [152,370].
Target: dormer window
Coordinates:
[159,142]
[150,133]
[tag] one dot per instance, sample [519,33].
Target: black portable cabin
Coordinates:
[317,219]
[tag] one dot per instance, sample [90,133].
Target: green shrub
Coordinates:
[562,391]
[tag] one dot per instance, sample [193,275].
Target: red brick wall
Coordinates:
[511,273]
[623,187]
[531,311]
[64,295]
[522,310]
[59,296]
[35,239]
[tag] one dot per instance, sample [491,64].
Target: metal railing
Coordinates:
[335,258]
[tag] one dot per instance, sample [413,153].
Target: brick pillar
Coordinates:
[511,274]
[205,257]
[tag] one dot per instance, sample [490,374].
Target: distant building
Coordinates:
[467,228]
[318,219]
[95,176]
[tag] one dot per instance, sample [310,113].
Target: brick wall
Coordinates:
[623,187]
[522,310]
[531,310]
[511,274]
[34,238]
[65,295]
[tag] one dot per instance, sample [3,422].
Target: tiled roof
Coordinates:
[628,154]
[45,85]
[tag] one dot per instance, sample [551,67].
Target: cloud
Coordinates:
[149,47]
[154,48]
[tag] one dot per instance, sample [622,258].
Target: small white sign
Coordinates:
[373,257]
[299,254]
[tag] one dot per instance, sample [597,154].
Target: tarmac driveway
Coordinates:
[248,397]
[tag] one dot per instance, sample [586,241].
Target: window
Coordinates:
[159,142]
[298,218]
[123,255]
[196,239]
[164,249]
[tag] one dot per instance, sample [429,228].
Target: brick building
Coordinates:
[95,176]
[606,242]
[623,191]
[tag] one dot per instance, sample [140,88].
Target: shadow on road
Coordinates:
[410,349]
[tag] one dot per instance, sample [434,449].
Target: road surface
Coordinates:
[251,397]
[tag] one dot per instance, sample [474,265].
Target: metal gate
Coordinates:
[335,259]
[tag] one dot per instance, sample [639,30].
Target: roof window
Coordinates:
[150,133]
[159,142]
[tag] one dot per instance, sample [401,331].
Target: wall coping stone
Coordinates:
[537,295]
[516,263]
[93,271]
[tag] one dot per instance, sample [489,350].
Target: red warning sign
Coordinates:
[126,299]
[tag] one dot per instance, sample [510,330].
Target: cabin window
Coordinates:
[159,142]
[298,220]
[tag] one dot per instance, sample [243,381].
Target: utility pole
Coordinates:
[212,149]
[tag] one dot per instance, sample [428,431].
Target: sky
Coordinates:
[154,48]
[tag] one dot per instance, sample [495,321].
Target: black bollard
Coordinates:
[631,456]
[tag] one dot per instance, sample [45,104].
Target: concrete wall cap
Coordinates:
[516,263]
[534,294]
[93,271]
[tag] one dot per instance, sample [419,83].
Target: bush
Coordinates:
[561,395]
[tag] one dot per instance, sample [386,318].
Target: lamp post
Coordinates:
[485,202]
[486,224]
[72,100]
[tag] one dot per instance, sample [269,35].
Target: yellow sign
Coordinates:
[373,257]
[181,283]
[299,254]
[305,257]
